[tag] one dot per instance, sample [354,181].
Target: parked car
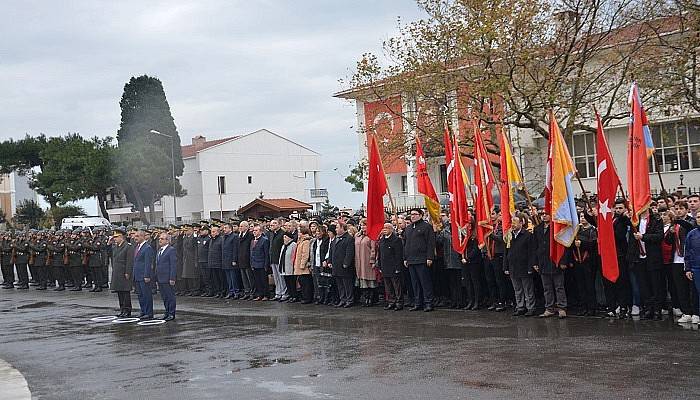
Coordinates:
[84,222]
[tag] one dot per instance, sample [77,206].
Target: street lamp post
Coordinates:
[172,159]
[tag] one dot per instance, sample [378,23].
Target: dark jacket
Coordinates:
[166,265]
[541,244]
[324,243]
[122,263]
[419,245]
[692,250]
[453,260]
[190,265]
[520,257]
[203,250]
[215,255]
[229,249]
[260,253]
[342,256]
[652,244]
[244,250]
[622,228]
[276,243]
[390,257]
[143,260]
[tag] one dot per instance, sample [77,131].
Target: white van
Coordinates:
[84,222]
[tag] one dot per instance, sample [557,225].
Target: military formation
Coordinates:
[63,259]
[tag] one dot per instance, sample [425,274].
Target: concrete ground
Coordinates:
[219,349]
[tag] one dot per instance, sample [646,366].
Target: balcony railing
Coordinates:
[316,193]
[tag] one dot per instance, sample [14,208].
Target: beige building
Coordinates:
[14,188]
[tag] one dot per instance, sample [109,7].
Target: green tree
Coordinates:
[144,160]
[58,213]
[328,210]
[21,155]
[29,214]
[356,177]
[524,56]
[75,168]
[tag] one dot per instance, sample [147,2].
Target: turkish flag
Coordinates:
[460,219]
[376,188]
[608,182]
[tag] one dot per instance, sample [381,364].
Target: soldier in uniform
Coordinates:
[94,261]
[75,259]
[203,258]
[56,248]
[8,266]
[176,235]
[105,253]
[190,263]
[20,247]
[122,270]
[37,248]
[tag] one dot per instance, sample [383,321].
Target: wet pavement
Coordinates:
[219,349]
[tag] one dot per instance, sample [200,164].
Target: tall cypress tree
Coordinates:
[144,157]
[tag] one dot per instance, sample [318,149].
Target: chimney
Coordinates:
[198,142]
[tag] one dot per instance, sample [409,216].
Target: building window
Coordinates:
[677,146]
[222,185]
[250,179]
[582,148]
[404,183]
[443,178]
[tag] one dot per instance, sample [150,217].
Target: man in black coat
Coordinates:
[619,293]
[551,274]
[122,271]
[202,259]
[646,264]
[342,261]
[214,261]
[229,259]
[419,253]
[245,238]
[390,262]
[518,262]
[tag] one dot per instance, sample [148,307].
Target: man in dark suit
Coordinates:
[342,261]
[245,238]
[166,273]
[390,260]
[518,262]
[229,259]
[143,260]
[419,253]
[260,262]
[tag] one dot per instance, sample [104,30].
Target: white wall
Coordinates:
[278,167]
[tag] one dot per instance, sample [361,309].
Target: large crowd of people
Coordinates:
[412,265]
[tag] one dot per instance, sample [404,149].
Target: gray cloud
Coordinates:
[228,67]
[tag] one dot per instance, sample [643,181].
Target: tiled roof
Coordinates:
[287,204]
[190,150]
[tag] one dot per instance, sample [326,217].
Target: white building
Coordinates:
[14,189]
[223,174]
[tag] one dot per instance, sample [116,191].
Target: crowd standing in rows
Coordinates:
[412,264]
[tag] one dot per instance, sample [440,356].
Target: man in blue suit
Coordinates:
[143,260]
[166,269]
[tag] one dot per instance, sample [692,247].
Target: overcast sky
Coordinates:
[228,67]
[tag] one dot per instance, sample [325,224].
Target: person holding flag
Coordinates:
[425,185]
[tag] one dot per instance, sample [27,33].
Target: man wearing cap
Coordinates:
[202,259]
[21,251]
[214,261]
[143,260]
[122,270]
[75,259]
[8,267]
[190,266]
